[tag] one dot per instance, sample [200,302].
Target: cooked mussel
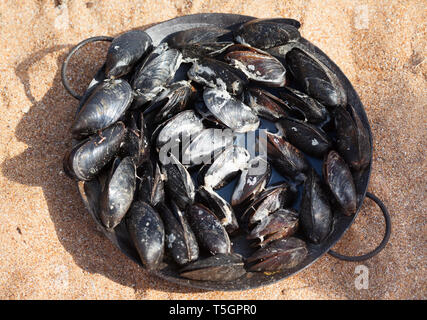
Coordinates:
[118,192]
[220,267]
[209,231]
[306,137]
[278,255]
[125,51]
[147,232]
[107,103]
[180,239]
[338,177]
[267,33]
[230,111]
[315,212]
[85,160]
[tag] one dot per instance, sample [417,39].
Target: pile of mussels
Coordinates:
[177,94]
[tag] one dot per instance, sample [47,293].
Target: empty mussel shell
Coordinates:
[315,212]
[220,267]
[278,255]
[85,160]
[338,177]
[209,231]
[267,33]
[118,192]
[306,137]
[230,111]
[147,232]
[107,103]
[125,51]
[181,242]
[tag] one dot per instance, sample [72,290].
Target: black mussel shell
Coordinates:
[252,181]
[220,267]
[206,34]
[217,74]
[267,33]
[209,231]
[150,187]
[207,145]
[286,159]
[180,240]
[338,177]
[226,166]
[316,79]
[118,192]
[313,110]
[147,232]
[352,138]
[85,160]
[306,137]
[257,65]
[178,182]
[264,104]
[278,255]
[137,144]
[231,112]
[107,103]
[315,212]
[155,73]
[125,51]
[281,224]
[221,208]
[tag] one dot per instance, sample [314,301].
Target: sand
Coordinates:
[49,245]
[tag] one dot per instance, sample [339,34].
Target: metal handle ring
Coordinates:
[383,242]
[70,54]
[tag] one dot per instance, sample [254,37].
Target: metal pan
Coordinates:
[251,280]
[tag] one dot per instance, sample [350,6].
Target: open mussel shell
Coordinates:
[220,267]
[306,137]
[86,159]
[156,72]
[280,224]
[252,181]
[118,192]
[338,177]
[230,111]
[147,232]
[206,146]
[221,208]
[208,229]
[313,110]
[125,51]
[264,104]
[352,138]
[217,74]
[316,79]
[267,33]
[107,103]
[278,255]
[178,183]
[226,166]
[315,212]
[286,159]
[180,240]
[257,65]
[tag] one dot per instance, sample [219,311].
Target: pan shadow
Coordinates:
[40,165]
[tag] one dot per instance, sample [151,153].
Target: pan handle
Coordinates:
[383,242]
[67,60]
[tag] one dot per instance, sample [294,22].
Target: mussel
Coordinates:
[151,185]
[147,232]
[117,196]
[220,267]
[315,211]
[338,177]
[125,51]
[85,160]
[107,103]
[264,104]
